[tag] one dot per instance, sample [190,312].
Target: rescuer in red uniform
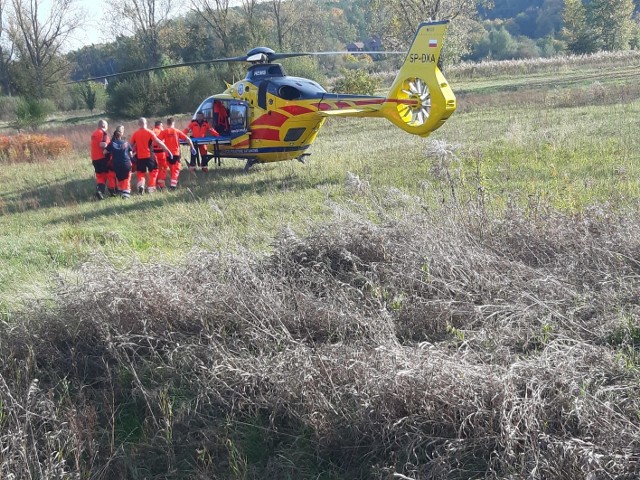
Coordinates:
[141,141]
[221,117]
[200,128]
[160,156]
[99,140]
[171,137]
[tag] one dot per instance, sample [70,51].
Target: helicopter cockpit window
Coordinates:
[238,117]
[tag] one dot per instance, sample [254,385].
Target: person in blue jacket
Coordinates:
[120,151]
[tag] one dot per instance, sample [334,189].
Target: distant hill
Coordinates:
[532,18]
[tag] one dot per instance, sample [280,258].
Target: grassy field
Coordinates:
[567,157]
[462,306]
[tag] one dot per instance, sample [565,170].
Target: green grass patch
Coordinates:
[567,157]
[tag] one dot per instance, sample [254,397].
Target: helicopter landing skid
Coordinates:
[250,163]
[302,158]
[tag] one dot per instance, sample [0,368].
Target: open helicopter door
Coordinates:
[229,117]
[237,135]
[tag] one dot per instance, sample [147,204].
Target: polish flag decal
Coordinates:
[433,43]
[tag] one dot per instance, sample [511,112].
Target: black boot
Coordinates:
[100,189]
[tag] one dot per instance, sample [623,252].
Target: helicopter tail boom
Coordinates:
[420,99]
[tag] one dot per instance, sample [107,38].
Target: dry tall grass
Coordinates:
[453,343]
[32,148]
[491,68]
[593,94]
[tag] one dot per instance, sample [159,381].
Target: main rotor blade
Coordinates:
[163,67]
[243,58]
[278,56]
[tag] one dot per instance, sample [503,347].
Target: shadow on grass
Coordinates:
[47,195]
[194,187]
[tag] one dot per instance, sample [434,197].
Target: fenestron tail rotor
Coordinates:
[420,99]
[416,107]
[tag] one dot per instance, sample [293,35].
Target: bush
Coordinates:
[305,67]
[133,98]
[8,107]
[203,84]
[170,92]
[31,113]
[32,148]
[357,82]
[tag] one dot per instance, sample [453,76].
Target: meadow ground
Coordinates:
[463,306]
[525,150]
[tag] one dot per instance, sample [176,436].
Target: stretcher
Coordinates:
[215,141]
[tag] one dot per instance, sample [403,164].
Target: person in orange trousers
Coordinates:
[171,137]
[160,156]
[141,141]
[99,140]
[200,128]
[120,151]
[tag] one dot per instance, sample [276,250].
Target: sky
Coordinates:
[91,31]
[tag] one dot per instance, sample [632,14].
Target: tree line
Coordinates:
[34,39]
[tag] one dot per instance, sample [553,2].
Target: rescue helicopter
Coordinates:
[269,116]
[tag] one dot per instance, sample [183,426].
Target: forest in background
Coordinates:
[35,66]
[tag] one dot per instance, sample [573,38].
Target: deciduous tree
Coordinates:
[580,38]
[598,25]
[253,26]
[404,15]
[144,18]
[6,50]
[286,15]
[612,22]
[39,30]
[218,15]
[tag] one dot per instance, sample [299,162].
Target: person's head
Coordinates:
[118,133]
[158,124]
[142,122]
[170,122]
[103,124]
[200,116]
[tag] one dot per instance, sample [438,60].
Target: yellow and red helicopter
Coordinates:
[273,117]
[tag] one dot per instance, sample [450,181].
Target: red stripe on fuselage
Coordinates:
[272,119]
[244,143]
[377,101]
[297,110]
[361,103]
[265,134]
[407,101]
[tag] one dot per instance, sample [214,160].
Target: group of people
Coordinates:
[147,153]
